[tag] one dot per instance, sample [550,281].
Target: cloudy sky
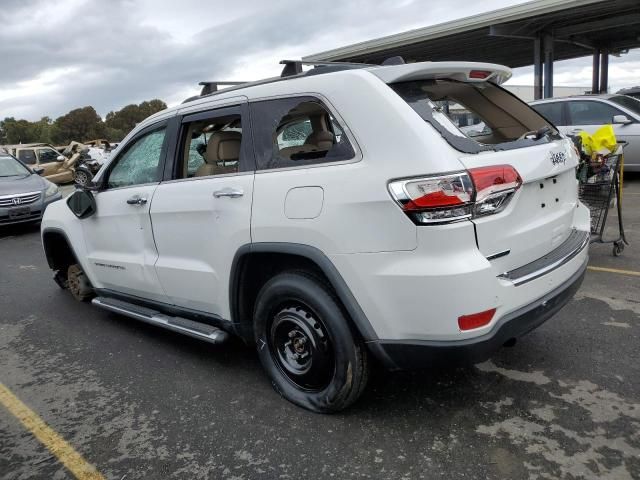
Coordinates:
[55,56]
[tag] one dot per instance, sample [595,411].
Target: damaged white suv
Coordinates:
[332,216]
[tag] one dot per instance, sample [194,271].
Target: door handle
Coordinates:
[136,200]
[229,192]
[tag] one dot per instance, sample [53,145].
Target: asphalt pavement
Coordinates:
[138,402]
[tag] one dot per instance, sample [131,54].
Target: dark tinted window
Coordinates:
[297,131]
[629,103]
[551,111]
[591,113]
[47,155]
[27,156]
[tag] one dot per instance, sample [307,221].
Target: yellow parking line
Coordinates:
[64,452]
[614,270]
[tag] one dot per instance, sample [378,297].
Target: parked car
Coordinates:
[349,218]
[590,112]
[56,167]
[631,91]
[24,195]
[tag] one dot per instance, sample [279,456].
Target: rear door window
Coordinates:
[552,111]
[585,112]
[212,144]
[297,131]
[476,116]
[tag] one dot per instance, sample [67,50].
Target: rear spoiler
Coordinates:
[462,71]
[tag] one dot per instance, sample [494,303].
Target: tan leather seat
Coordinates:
[323,140]
[223,148]
[320,141]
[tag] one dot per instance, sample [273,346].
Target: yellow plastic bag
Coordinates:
[602,142]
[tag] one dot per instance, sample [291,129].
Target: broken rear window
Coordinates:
[474,117]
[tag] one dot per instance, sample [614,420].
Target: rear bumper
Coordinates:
[414,354]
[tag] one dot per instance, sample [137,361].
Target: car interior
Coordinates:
[505,117]
[214,147]
[305,132]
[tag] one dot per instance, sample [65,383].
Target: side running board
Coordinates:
[202,331]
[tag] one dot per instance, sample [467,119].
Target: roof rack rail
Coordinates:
[210,87]
[294,67]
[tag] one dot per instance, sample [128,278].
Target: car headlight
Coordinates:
[51,190]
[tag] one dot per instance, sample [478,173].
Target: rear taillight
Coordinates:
[494,187]
[440,199]
[457,196]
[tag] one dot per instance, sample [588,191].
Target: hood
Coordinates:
[30,183]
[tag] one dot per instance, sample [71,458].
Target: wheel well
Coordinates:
[252,271]
[58,251]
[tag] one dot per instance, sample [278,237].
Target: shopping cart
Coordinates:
[599,188]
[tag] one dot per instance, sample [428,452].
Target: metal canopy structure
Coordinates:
[534,33]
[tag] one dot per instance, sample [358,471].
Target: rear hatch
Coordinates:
[490,127]
[540,215]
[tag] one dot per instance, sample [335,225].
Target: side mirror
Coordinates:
[60,158]
[38,170]
[82,203]
[621,120]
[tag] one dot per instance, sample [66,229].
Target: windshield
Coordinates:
[474,117]
[630,103]
[10,167]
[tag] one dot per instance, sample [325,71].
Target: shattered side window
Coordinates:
[140,163]
[297,131]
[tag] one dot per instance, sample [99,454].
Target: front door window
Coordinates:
[140,162]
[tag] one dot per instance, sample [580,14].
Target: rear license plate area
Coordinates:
[550,193]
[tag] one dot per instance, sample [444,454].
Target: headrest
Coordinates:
[322,139]
[223,147]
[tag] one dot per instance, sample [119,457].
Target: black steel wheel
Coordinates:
[78,283]
[306,343]
[301,347]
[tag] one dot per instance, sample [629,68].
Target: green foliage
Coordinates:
[126,118]
[80,124]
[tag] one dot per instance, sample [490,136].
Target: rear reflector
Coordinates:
[475,320]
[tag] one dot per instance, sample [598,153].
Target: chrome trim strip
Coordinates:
[577,237]
[2,197]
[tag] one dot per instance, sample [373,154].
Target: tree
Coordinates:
[17,131]
[126,118]
[80,124]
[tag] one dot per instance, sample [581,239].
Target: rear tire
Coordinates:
[78,284]
[306,345]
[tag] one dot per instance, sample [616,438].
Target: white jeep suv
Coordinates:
[331,216]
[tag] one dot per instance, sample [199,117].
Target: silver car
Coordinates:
[590,112]
[24,194]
